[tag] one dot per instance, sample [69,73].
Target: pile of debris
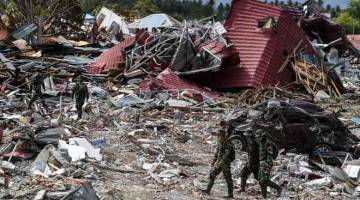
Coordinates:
[158,88]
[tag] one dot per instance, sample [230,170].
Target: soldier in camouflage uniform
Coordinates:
[252,165]
[80,92]
[37,81]
[266,163]
[225,154]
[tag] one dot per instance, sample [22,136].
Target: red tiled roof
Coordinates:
[262,53]
[111,58]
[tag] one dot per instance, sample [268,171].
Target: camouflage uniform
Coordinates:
[80,92]
[266,164]
[37,81]
[225,154]
[252,165]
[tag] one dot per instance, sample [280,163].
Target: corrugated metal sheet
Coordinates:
[24,31]
[262,53]
[168,80]
[111,58]
[154,21]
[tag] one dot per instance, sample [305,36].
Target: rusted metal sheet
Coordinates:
[112,58]
[261,52]
[169,81]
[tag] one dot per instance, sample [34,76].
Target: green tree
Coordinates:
[209,8]
[354,8]
[227,9]
[338,9]
[350,23]
[290,3]
[276,2]
[221,11]
[328,8]
[145,7]
[42,12]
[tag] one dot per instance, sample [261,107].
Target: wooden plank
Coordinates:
[336,89]
[291,55]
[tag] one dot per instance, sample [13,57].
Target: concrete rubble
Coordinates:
[157,94]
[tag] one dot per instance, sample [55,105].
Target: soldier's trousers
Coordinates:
[215,171]
[36,96]
[264,176]
[79,105]
[247,171]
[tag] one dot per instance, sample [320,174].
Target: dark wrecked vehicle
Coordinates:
[292,125]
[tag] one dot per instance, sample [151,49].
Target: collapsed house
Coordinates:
[203,51]
[111,22]
[268,34]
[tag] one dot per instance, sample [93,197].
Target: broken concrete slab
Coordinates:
[89,149]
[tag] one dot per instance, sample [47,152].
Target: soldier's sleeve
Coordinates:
[215,156]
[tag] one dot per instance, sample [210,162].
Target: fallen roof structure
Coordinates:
[112,58]
[154,21]
[262,51]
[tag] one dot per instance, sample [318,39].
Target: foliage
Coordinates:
[145,7]
[23,12]
[354,8]
[350,23]
[180,9]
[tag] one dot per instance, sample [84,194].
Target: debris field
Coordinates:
[158,90]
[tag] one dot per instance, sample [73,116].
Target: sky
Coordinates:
[341,3]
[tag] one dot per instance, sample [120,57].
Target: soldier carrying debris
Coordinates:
[266,163]
[80,92]
[252,165]
[225,154]
[37,81]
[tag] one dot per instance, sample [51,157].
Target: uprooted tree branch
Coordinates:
[53,16]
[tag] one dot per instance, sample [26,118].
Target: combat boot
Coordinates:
[230,191]
[209,187]
[243,184]
[279,191]
[263,190]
